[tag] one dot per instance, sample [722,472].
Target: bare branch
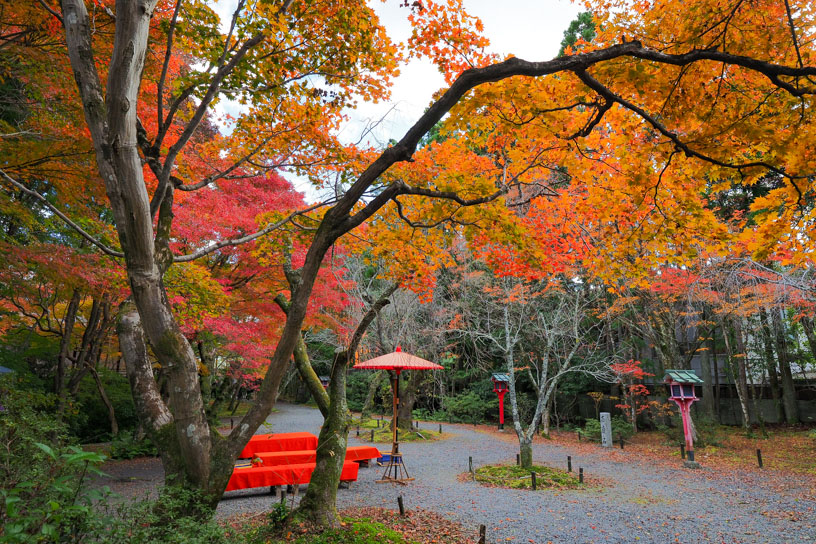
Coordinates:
[248,238]
[102,247]
[167,54]
[604,91]
[51,10]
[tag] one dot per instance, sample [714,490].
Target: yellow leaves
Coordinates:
[193,294]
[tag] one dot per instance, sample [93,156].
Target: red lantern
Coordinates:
[681,391]
[501,384]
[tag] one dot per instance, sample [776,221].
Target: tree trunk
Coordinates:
[770,364]
[788,389]
[106,401]
[62,356]
[545,416]
[712,343]
[319,505]
[161,426]
[736,361]
[526,452]
[707,402]
[407,399]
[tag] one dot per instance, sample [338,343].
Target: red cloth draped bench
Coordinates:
[289,459]
[293,474]
[353,453]
[279,442]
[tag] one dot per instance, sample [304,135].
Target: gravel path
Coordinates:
[631,499]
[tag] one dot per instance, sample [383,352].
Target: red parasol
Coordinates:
[397,361]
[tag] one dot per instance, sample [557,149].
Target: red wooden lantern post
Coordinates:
[681,390]
[500,386]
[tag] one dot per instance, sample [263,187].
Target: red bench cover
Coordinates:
[353,453]
[246,478]
[279,442]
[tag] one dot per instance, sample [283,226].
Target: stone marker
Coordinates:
[606,430]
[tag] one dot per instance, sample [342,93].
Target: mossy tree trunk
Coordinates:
[526,452]
[319,505]
[407,399]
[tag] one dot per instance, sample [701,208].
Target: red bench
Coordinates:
[353,453]
[293,474]
[279,442]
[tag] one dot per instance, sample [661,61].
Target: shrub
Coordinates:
[166,520]
[620,429]
[41,493]
[126,446]
[88,420]
[708,431]
[469,407]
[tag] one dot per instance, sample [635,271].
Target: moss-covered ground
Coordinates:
[383,434]
[516,477]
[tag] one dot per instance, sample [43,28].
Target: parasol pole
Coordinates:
[395,418]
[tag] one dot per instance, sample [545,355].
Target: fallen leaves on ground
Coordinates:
[418,525]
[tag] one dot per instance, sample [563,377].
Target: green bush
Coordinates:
[708,431]
[88,418]
[620,429]
[41,494]
[166,520]
[470,407]
[126,446]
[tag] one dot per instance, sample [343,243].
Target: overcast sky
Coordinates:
[529,29]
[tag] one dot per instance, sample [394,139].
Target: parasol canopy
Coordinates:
[398,360]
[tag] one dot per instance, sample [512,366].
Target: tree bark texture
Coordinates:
[319,505]
[407,399]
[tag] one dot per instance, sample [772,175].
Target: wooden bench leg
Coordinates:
[273,490]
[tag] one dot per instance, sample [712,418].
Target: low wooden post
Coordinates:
[621,441]
[580,475]
[401,506]
[518,459]
[440,428]
[569,463]
[482,534]
[372,435]
[759,457]
[533,477]
[470,464]
[682,451]
[232,423]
